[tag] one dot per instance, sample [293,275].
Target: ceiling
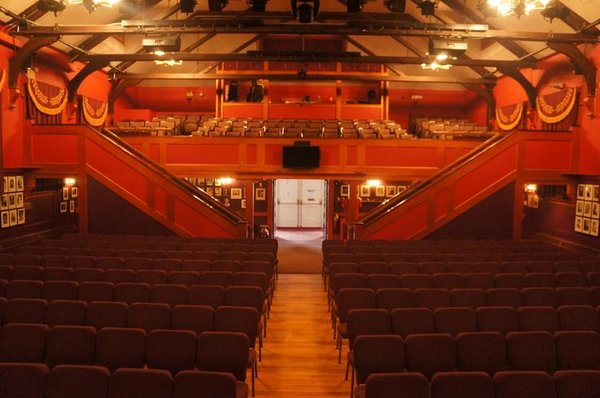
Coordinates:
[374,32]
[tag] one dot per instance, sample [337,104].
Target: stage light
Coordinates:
[257,5]
[217,5]
[427,7]
[519,8]
[54,6]
[395,5]
[355,5]
[305,12]
[187,6]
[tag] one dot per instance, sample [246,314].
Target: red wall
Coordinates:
[173,99]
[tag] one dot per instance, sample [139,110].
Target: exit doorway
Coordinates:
[299,209]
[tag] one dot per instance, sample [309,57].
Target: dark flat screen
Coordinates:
[301,157]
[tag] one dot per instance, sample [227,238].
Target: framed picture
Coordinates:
[4,202]
[236,193]
[533,200]
[243,203]
[218,191]
[365,191]
[217,182]
[63,207]
[589,191]
[580,191]
[5,185]
[20,216]
[210,191]
[400,189]
[65,193]
[226,202]
[596,210]
[578,224]
[260,194]
[71,206]
[5,222]
[74,192]
[587,209]
[586,225]
[345,191]
[594,226]
[210,182]
[12,217]
[12,201]
[579,208]
[19,199]
[390,191]
[12,184]
[380,191]
[200,181]
[20,183]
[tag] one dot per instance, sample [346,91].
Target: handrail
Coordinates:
[194,191]
[393,203]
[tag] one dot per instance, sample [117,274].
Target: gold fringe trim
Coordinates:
[509,122]
[95,117]
[58,102]
[556,113]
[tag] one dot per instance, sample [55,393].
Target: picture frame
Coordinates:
[65,193]
[12,201]
[586,226]
[12,217]
[400,189]
[19,202]
[596,193]
[210,182]
[345,191]
[589,192]
[226,202]
[4,202]
[74,192]
[578,224]
[218,191]
[533,200]
[71,206]
[596,210]
[5,185]
[579,208]
[5,221]
[63,207]
[12,184]
[594,227]
[587,209]
[380,191]
[20,183]
[210,191]
[21,216]
[390,191]
[260,194]
[236,193]
[365,191]
[243,203]
[217,182]
[580,191]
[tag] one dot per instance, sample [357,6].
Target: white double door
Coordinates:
[299,203]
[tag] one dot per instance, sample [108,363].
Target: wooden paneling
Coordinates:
[54,149]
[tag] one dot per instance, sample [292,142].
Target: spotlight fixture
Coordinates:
[257,5]
[91,5]
[554,11]
[355,5]
[54,6]
[305,12]
[187,6]
[427,7]
[217,5]
[395,5]
[517,8]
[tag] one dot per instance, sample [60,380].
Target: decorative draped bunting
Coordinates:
[555,107]
[510,116]
[2,79]
[94,111]
[48,99]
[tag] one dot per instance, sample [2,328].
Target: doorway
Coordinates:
[299,211]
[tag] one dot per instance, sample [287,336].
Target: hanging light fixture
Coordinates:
[517,8]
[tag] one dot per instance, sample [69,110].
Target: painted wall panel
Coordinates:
[160,201]
[547,155]
[202,154]
[273,154]
[361,112]
[406,226]
[195,223]
[54,149]
[286,111]
[251,154]
[441,204]
[400,156]
[243,110]
[330,155]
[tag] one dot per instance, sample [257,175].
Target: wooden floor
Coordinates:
[299,355]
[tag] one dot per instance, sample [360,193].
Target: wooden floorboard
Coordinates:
[299,355]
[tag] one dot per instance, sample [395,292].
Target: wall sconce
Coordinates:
[189,95]
[531,188]
[70,181]
[373,183]
[226,180]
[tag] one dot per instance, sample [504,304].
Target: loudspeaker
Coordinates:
[187,6]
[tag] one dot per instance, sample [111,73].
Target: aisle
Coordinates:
[299,356]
